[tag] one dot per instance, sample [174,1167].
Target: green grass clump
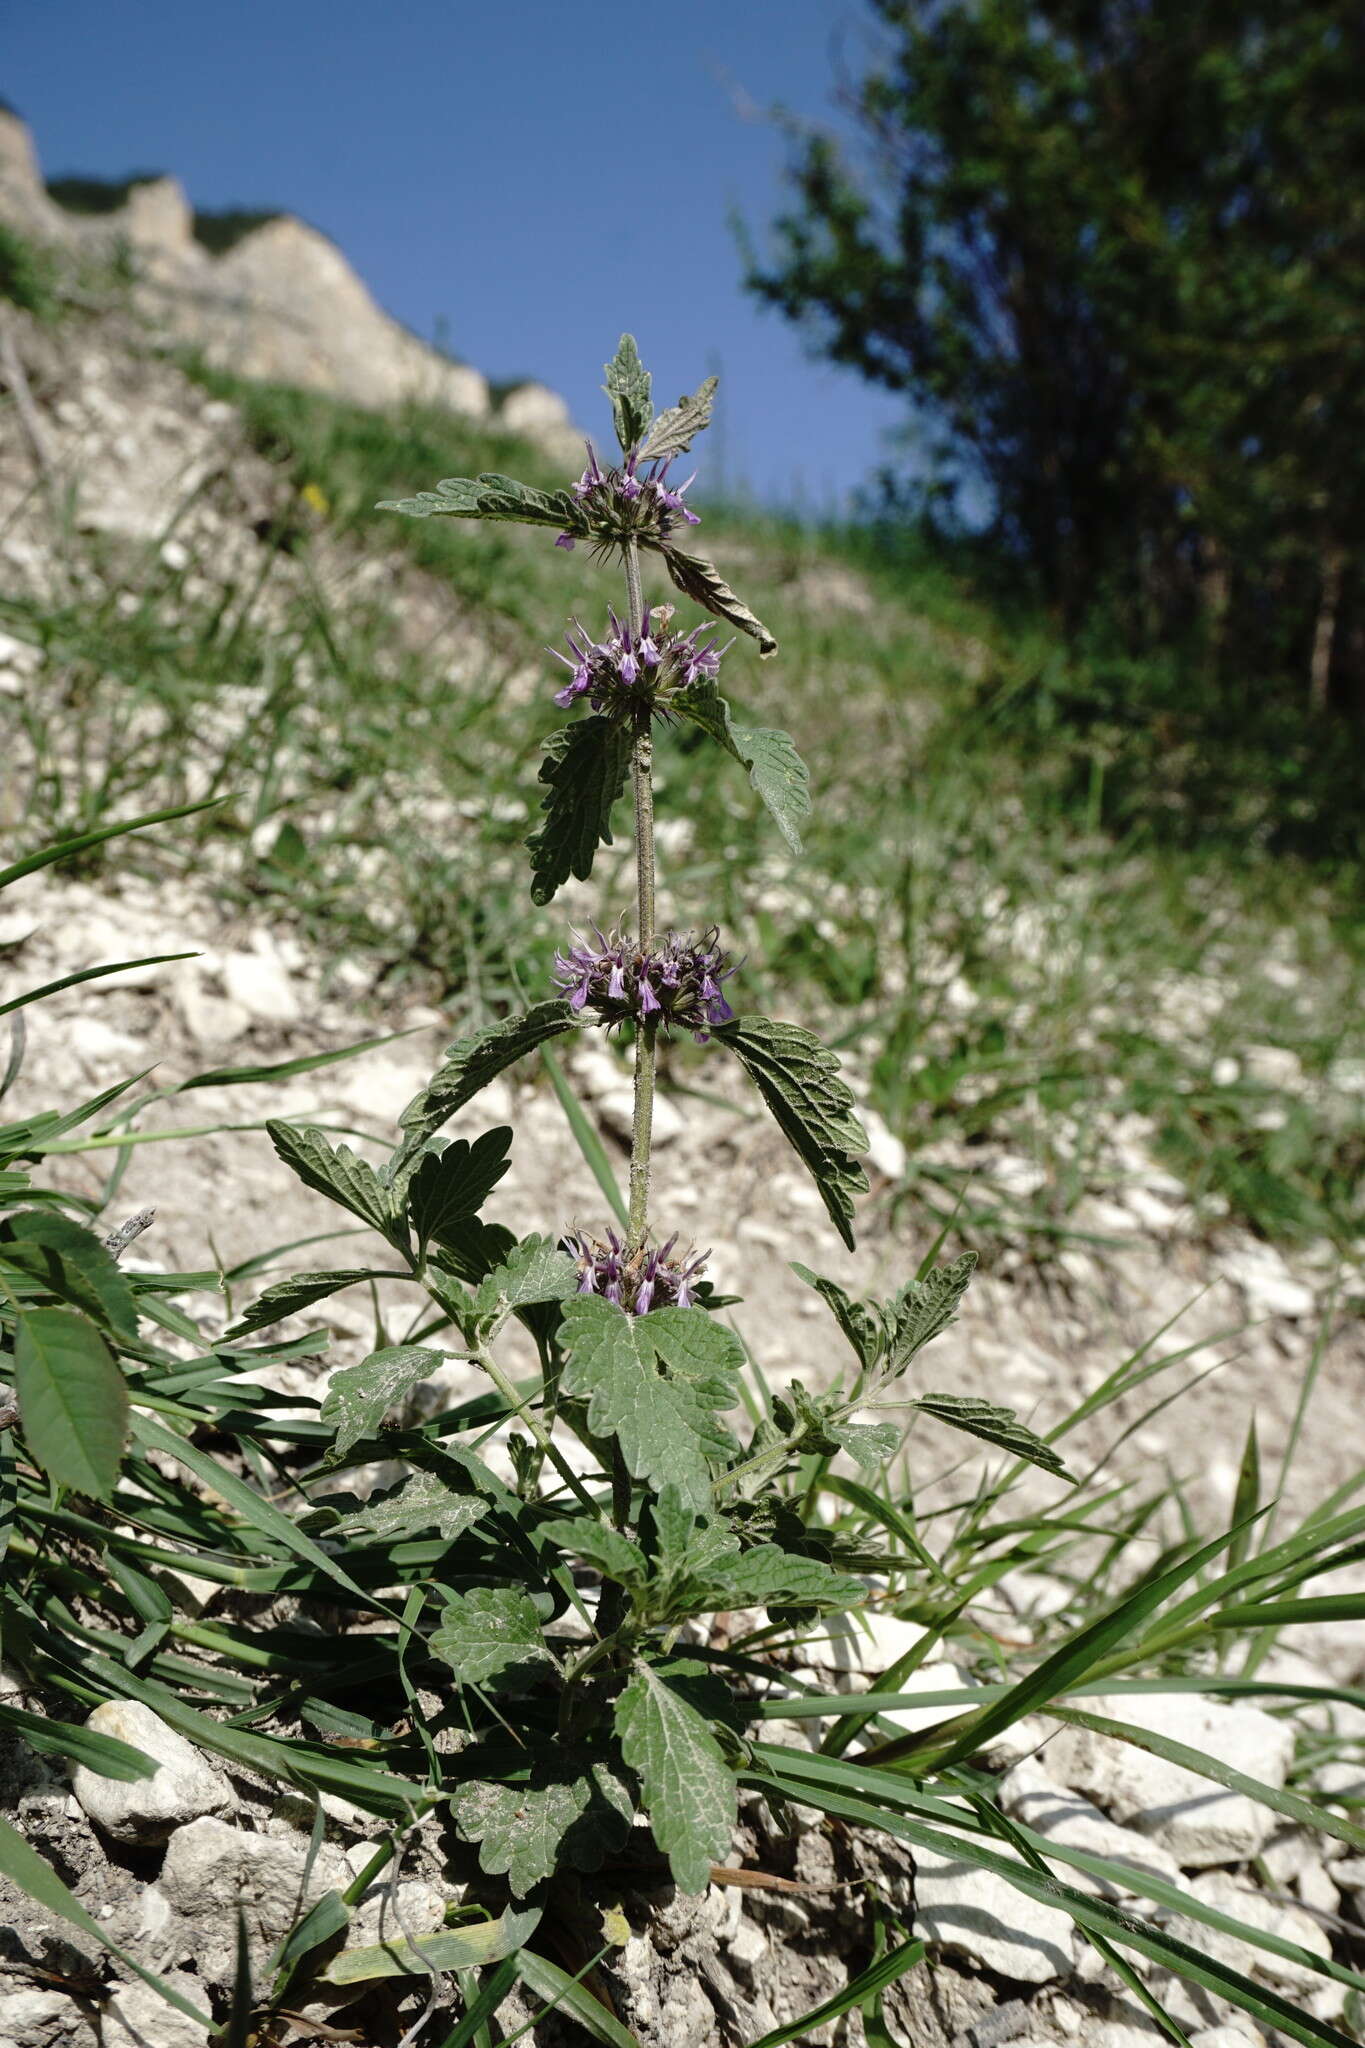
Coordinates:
[28,274]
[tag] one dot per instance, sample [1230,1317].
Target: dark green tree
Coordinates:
[1113,252]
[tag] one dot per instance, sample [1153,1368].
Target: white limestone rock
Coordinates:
[185,1787]
[139,2017]
[982,1916]
[1029,1794]
[1218,1888]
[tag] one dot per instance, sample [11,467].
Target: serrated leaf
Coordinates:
[492,496]
[672,432]
[998,1426]
[654,1382]
[72,1397]
[628,388]
[447,1948]
[853,1317]
[702,581]
[569,1813]
[770,1577]
[798,1079]
[870,1444]
[775,768]
[471,1063]
[425,1501]
[472,1248]
[536,1270]
[360,1396]
[453,1184]
[491,1634]
[924,1309]
[69,1261]
[335,1171]
[287,1297]
[689,1789]
[615,1556]
[584,771]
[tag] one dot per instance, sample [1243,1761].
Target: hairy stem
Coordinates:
[646,1036]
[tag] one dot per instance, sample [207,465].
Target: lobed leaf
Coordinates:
[453,1184]
[73,1399]
[702,581]
[491,1634]
[335,1171]
[492,496]
[924,1308]
[654,1382]
[535,1270]
[287,1297]
[615,1556]
[771,1577]
[798,1079]
[359,1396]
[628,388]
[672,432]
[471,1063]
[584,771]
[998,1426]
[775,768]
[570,1812]
[425,1501]
[688,1788]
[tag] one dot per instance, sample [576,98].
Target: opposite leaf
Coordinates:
[689,1789]
[654,1382]
[536,1270]
[471,1063]
[798,1078]
[775,768]
[287,1297]
[999,1426]
[452,1185]
[585,769]
[673,431]
[854,1319]
[702,581]
[628,388]
[335,1171]
[569,1813]
[491,1634]
[492,497]
[924,1309]
[426,1501]
[360,1396]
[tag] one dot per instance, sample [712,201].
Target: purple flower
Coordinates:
[638,1281]
[634,676]
[567,542]
[622,502]
[678,981]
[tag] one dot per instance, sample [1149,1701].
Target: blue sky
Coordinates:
[528,178]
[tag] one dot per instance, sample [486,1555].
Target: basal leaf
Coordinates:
[73,1399]
[287,1297]
[689,1789]
[570,1813]
[360,1396]
[999,1426]
[73,1264]
[492,496]
[673,431]
[798,1078]
[584,771]
[536,1270]
[654,1382]
[771,1577]
[702,581]
[615,1556]
[425,1501]
[491,1635]
[628,388]
[335,1171]
[775,768]
[453,1184]
[924,1309]
[853,1317]
[471,1063]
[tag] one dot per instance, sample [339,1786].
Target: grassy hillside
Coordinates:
[1018,915]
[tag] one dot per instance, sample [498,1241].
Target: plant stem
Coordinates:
[646,1035]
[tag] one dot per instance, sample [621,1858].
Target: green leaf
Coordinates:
[563,1993]
[775,768]
[328,1917]
[584,771]
[536,1270]
[472,1248]
[664,1420]
[103,1753]
[570,1812]
[999,1426]
[924,1308]
[335,1171]
[856,1321]
[672,432]
[72,1399]
[492,496]
[702,581]
[452,1185]
[869,1444]
[66,849]
[628,388]
[798,1078]
[70,1262]
[287,1297]
[615,1556]
[360,1396]
[689,1789]
[425,1501]
[471,1063]
[491,1633]
[448,1948]
[768,1576]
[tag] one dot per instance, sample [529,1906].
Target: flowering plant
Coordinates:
[556,1602]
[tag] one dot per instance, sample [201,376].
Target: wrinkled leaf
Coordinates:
[536,1270]
[471,1063]
[925,1308]
[853,1317]
[673,431]
[453,1184]
[71,1263]
[360,1396]
[492,496]
[335,1171]
[491,1633]
[73,1399]
[570,1813]
[664,1420]
[702,581]
[615,1556]
[584,772]
[869,1444]
[628,388]
[425,1501]
[798,1078]
[775,768]
[689,1789]
[770,1577]
[287,1297]
[998,1426]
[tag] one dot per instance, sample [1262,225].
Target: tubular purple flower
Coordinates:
[636,1282]
[678,981]
[567,542]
